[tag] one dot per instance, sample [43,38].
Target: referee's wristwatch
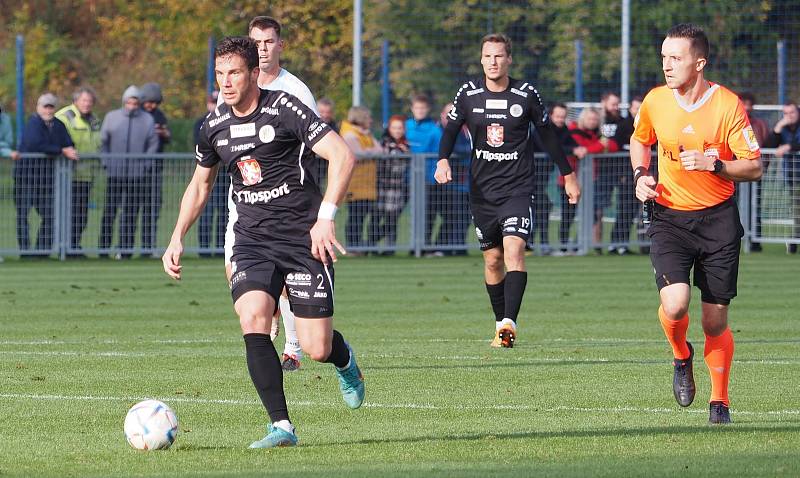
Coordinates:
[718,166]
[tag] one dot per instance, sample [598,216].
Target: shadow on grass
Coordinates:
[606,433]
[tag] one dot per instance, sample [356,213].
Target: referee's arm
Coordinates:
[644,182]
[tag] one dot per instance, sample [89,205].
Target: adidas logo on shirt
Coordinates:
[688,130]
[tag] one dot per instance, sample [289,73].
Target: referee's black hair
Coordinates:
[696,36]
[243,46]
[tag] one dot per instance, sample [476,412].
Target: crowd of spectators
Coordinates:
[380,187]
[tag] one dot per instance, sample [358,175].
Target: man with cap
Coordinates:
[151,100]
[33,177]
[124,131]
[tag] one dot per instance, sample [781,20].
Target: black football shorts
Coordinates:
[708,240]
[493,221]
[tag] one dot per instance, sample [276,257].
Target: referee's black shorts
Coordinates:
[708,240]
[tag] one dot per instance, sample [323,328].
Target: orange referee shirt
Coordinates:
[717,125]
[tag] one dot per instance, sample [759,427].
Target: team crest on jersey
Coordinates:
[750,139]
[494,135]
[251,171]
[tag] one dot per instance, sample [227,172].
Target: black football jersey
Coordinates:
[264,153]
[499,127]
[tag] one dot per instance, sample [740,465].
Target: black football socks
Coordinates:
[514,290]
[497,298]
[340,354]
[267,374]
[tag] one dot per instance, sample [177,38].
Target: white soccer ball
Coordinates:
[151,425]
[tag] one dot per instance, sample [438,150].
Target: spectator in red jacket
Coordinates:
[587,134]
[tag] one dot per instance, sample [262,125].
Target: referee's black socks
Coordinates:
[266,374]
[514,290]
[498,299]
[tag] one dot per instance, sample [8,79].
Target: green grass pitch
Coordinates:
[586,392]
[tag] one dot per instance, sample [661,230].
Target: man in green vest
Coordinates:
[84,128]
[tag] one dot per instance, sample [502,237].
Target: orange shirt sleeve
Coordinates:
[741,138]
[643,127]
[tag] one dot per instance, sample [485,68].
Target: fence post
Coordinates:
[626,52]
[586,206]
[418,210]
[61,210]
[20,65]
[578,71]
[210,77]
[385,90]
[781,72]
[357,52]
[745,191]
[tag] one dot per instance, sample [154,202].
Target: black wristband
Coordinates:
[638,173]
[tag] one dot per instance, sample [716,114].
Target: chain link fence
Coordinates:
[54,207]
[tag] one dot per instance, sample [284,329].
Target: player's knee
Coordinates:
[494,262]
[254,322]
[674,310]
[318,352]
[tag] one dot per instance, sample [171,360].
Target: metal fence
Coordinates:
[51,206]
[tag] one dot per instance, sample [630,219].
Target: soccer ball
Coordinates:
[151,425]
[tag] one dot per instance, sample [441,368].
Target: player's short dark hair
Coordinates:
[557,104]
[243,46]
[747,96]
[263,22]
[421,98]
[498,38]
[696,36]
[608,94]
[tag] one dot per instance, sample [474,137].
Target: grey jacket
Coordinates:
[126,131]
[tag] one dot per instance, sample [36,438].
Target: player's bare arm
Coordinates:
[645,185]
[341,161]
[745,170]
[192,204]
[553,149]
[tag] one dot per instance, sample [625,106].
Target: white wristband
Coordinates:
[327,210]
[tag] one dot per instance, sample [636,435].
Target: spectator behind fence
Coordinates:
[362,195]
[587,134]
[392,181]
[151,100]
[786,137]
[33,177]
[615,174]
[84,129]
[126,130]
[217,201]
[455,203]
[761,130]
[7,138]
[325,107]
[574,153]
[423,137]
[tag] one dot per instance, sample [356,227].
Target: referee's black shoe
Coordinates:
[718,413]
[683,379]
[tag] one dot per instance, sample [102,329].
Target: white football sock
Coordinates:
[292,345]
[284,425]
[507,321]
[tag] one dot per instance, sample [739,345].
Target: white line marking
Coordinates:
[403,406]
[488,360]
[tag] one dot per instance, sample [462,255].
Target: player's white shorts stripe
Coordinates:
[328,273]
[233,216]
[300,163]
